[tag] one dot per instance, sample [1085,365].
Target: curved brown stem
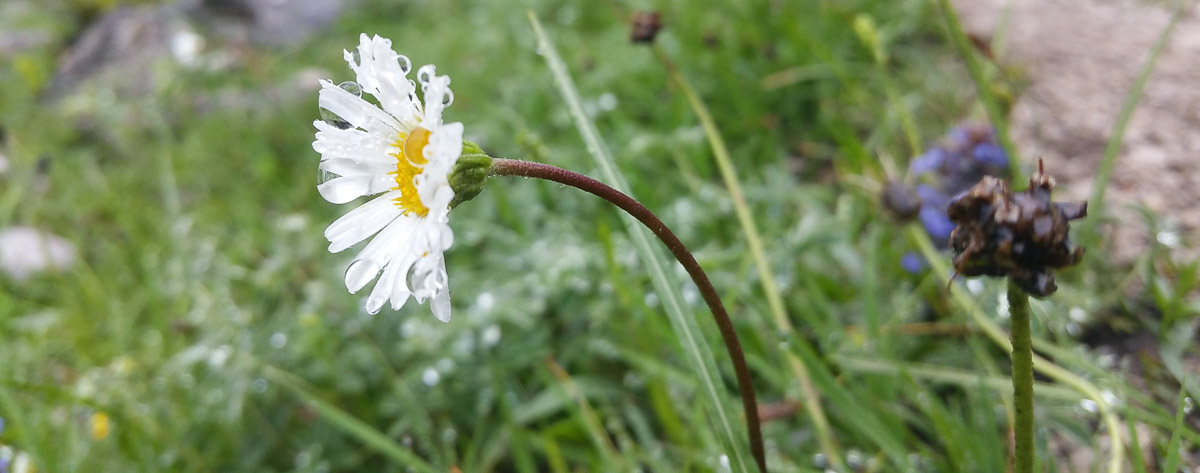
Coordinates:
[513,167]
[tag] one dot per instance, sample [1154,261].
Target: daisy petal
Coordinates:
[359,274]
[362,222]
[356,111]
[445,144]
[383,288]
[440,303]
[352,143]
[347,188]
[437,92]
[396,236]
[384,73]
[354,167]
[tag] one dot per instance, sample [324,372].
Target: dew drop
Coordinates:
[278,340]
[855,460]
[352,87]
[405,64]
[1168,239]
[491,335]
[485,301]
[819,461]
[607,102]
[430,377]
[303,459]
[651,299]
[333,119]
[356,57]
[975,286]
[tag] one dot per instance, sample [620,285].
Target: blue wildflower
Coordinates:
[912,263]
[967,154]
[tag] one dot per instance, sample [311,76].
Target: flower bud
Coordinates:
[469,173]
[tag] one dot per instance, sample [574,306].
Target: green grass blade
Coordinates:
[1135,450]
[995,113]
[1117,136]
[1173,444]
[686,329]
[370,437]
[754,241]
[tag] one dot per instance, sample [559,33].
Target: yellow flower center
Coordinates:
[410,162]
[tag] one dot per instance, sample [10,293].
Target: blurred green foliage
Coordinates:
[202,261]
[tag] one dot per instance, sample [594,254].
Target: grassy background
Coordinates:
[204,288]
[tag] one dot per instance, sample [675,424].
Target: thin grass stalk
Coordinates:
[940,374]
[991,104]
[1022,378]
[687,331]
[746,220]
[1109,160]
[373,439]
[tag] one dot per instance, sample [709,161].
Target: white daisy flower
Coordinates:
[401,149]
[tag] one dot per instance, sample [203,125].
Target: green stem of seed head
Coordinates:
[1116,453]
[513,167]
[1022,378]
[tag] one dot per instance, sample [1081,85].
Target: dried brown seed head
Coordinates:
[1022,235]
[646,25]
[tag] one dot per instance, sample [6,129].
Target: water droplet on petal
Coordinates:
[405,64]
[333,119]
[352,87]
[356,57]
[324,176]
[360,273]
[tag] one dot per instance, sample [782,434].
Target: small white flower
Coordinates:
[402,150]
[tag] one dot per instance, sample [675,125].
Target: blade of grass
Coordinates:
[940,374]
[370,437]
[587,416]
[686,329]
[990,103]
[1109,159]
[754,241]
[1135,450]
[1173,444]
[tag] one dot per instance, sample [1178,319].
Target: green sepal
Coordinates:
[469,173]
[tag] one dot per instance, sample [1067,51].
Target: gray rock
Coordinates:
[120,48]
[265,22]
[26,251]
